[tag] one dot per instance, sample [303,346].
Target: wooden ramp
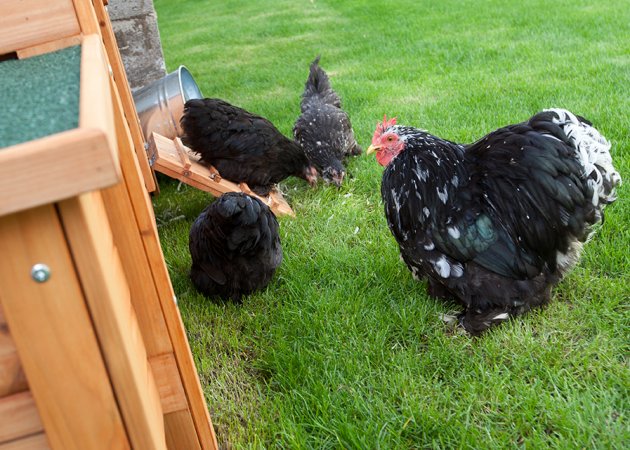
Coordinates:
[173,158]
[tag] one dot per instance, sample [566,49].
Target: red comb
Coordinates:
[381,127]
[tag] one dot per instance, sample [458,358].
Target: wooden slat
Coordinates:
[88,21]
[128,238]
[12,378]
[19,417]
[35,442]
[169,160]
[53,333]
[55,167]
[180,431]
[122,86]
[48,47]
[175,423]
[145,221]
[169,383]
[95,101]
[24,23]
[90,239]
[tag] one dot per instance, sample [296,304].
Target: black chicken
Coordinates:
[323,129]
[242,146]
[235,247]
[495,224]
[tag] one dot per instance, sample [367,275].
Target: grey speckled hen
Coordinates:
[323,129]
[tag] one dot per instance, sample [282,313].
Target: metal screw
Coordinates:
[40,273]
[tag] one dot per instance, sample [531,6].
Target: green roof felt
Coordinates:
[39,96]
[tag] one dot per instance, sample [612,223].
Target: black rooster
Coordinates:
[495,224]
[235,247]
[242,146]
[323,129]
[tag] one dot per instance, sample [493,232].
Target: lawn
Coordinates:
[344,349]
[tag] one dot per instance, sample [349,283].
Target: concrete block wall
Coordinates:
[136,30]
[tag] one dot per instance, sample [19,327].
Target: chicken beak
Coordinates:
[372,148]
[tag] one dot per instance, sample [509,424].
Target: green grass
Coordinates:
[344,349]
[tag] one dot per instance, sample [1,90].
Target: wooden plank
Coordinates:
[122,86]
[180,431]
[128,237]
[87,18]
[146,226]
[35,442]
[159,279]
[24,23]
[107,294]
[168,159]
[55,167]
[190,380]
[19,417]
[53,333]
[95,100]
[12,378]
[169,383]
[48,47]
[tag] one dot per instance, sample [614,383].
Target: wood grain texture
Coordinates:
[95,100]
[107,294]
[180,431]
[34,442]
[169,383]
[24,23]
[12,377]
[51,46]
[53,334]
[54,168]
[19,417]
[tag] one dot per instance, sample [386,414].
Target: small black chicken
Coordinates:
[323,129]
[495,224]
[242,146]
[235,247]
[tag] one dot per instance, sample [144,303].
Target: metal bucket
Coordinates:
[160,104]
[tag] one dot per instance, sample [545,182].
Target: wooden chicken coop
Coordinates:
[93,353]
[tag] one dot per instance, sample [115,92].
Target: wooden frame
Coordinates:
[24,23]
[65,371]
[96,356]
[71,162]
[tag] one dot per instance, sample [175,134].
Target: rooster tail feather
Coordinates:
[593,152]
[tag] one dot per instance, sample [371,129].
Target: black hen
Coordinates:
[497,223]
[235,247]
[242,146]
[323,129]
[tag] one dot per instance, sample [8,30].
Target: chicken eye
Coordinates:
[390,138]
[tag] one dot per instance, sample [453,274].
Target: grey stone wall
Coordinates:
[135,26]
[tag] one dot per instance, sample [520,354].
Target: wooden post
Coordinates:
[53,333]
[107,295]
